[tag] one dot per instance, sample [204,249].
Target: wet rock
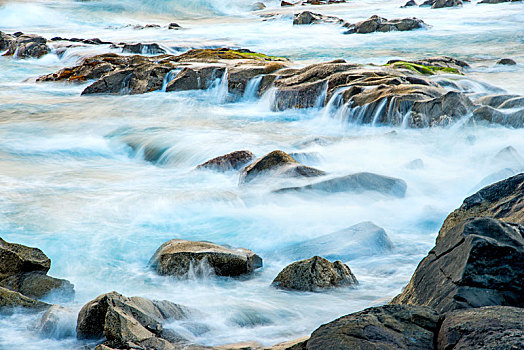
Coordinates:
[198,78]
[178,257]
[37,285]
[494,1]
[239,76]
[231,161]
[506,62]
[356,183]
[494,100]
[440,111]
[308,17]
[389,327]
[286,4]
[6,40]
[174,26]
[57,322]
[277,163]
[18,259]
[144,49]
[515,102]
[476,263]
[498,176]
[363,239]
[437,4]
[487,328]
[503,200]
[446,63]
[10,299]
[314,274]
[409,4]
[380,24]
[257,6]
[25,45]
[122,320]
[492,115]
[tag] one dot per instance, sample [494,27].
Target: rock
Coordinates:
[486,328]
[121,320]
[144,49]
[277,163]
[199,78]
[409,4]
[449,64]
[295,344]
[494,100]
[37,285]
[479,262]
[314,274]
[257,6]
[6,40]
[446,3]
[492,115]
[308,17]
[363,239]
[415,164]
[503,200]
[285,3]
[177,257]
[17,259]
[389,327]
[380,24]
[357,183]
[231,161]
[26,45]
[10,299]
[509,155]
[442,110]
[515,102]
[506,62]
[57,322]
[238,77]
[174,26]
[493,1]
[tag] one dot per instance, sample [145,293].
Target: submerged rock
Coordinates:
[57,322]
[357,183]
[231,161]
[277,163]
[178,257]
[380,24]
[314,274]
[494,100]
[510,118]
[506,62]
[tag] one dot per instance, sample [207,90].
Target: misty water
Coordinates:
[74,181]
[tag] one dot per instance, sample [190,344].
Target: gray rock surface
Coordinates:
[231,161]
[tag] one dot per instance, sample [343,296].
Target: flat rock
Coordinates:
[231,161]
[177,257]
[437,4]
[380,24]
[10,299]
[494,100]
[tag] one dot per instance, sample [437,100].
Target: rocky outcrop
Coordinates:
[144,49]
[10,300]
[231,161]
[506,62]
[409,4]
[442,110]
[277,163]
[135,320]
[21,45]
[380,24]
[501,109]
[37,285]
[308,17]
[437,4]
[389,327]
[314,274]
[494,100]
[179,257]
[363,239]
[356,183]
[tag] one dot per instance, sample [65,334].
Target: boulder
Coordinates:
[446,3]
[314,274]
[515,102]
[17,259]
[26,45]
[503,200]
[57,322]
[389,327]
[380,24]
[356,183]
[509,118]
[144,49]
[177,257]
[363,239]
[122,320]
[277,163]
[506,62]
[231,161]
[37,285]
[10,299]
[308,17]
[442,110]
[409,4]
[198,78]
[494,100]
[486,328]
[479,262]
[174,26]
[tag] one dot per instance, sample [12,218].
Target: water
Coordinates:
[74,180]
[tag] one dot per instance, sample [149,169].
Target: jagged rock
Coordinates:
[389,327]
[231,161]
[314,274]
[122,320]
[506,62]
[486,328]
[18,259]
[308,17]
[409,4]
[24,45]
[10,299]
[503,200]
[174,26]
[363,239]
[494,100]
[36,285]
[357,183]
[478,262]
[195,78]
[380,24]
[277,163]
[437,4]
[177,257]
[145,49]
[442,110]
[57,322]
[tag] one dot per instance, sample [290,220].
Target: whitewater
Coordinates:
[74,181]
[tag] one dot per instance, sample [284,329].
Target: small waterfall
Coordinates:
[268,98]
[378,111]
[125,89]
[222,90]
[321,99]
[251,91]
[335,103]
[172,74]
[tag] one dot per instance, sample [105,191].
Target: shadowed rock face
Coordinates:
[177,257]
[16,259]
[314,274]
[380,24]
[231,161]
[23,45]
[437,4]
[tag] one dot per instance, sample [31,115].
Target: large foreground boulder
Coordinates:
[231,161]
[179,257]
[314,274]
[356,183]
[122,320]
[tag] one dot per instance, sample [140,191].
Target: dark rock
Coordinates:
[314,274]
[494,100]
[493,1]
[238,77]
[198,78]
[506,62]
[231,161]
[503,200]
[36,285]
[409,4]
[363,239]
[57,322]
[380,24]
[478,262]
[277,163]
[10,299]
[26,45]
[18,259]
[389,327]
[308,17]
[285,3]
[437,4]
[492,115]
[144,49]
[178,257]
[357,183]
[440,110]
[6,40]
[174,26]
[121,319]
[486,328]
[515,102]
